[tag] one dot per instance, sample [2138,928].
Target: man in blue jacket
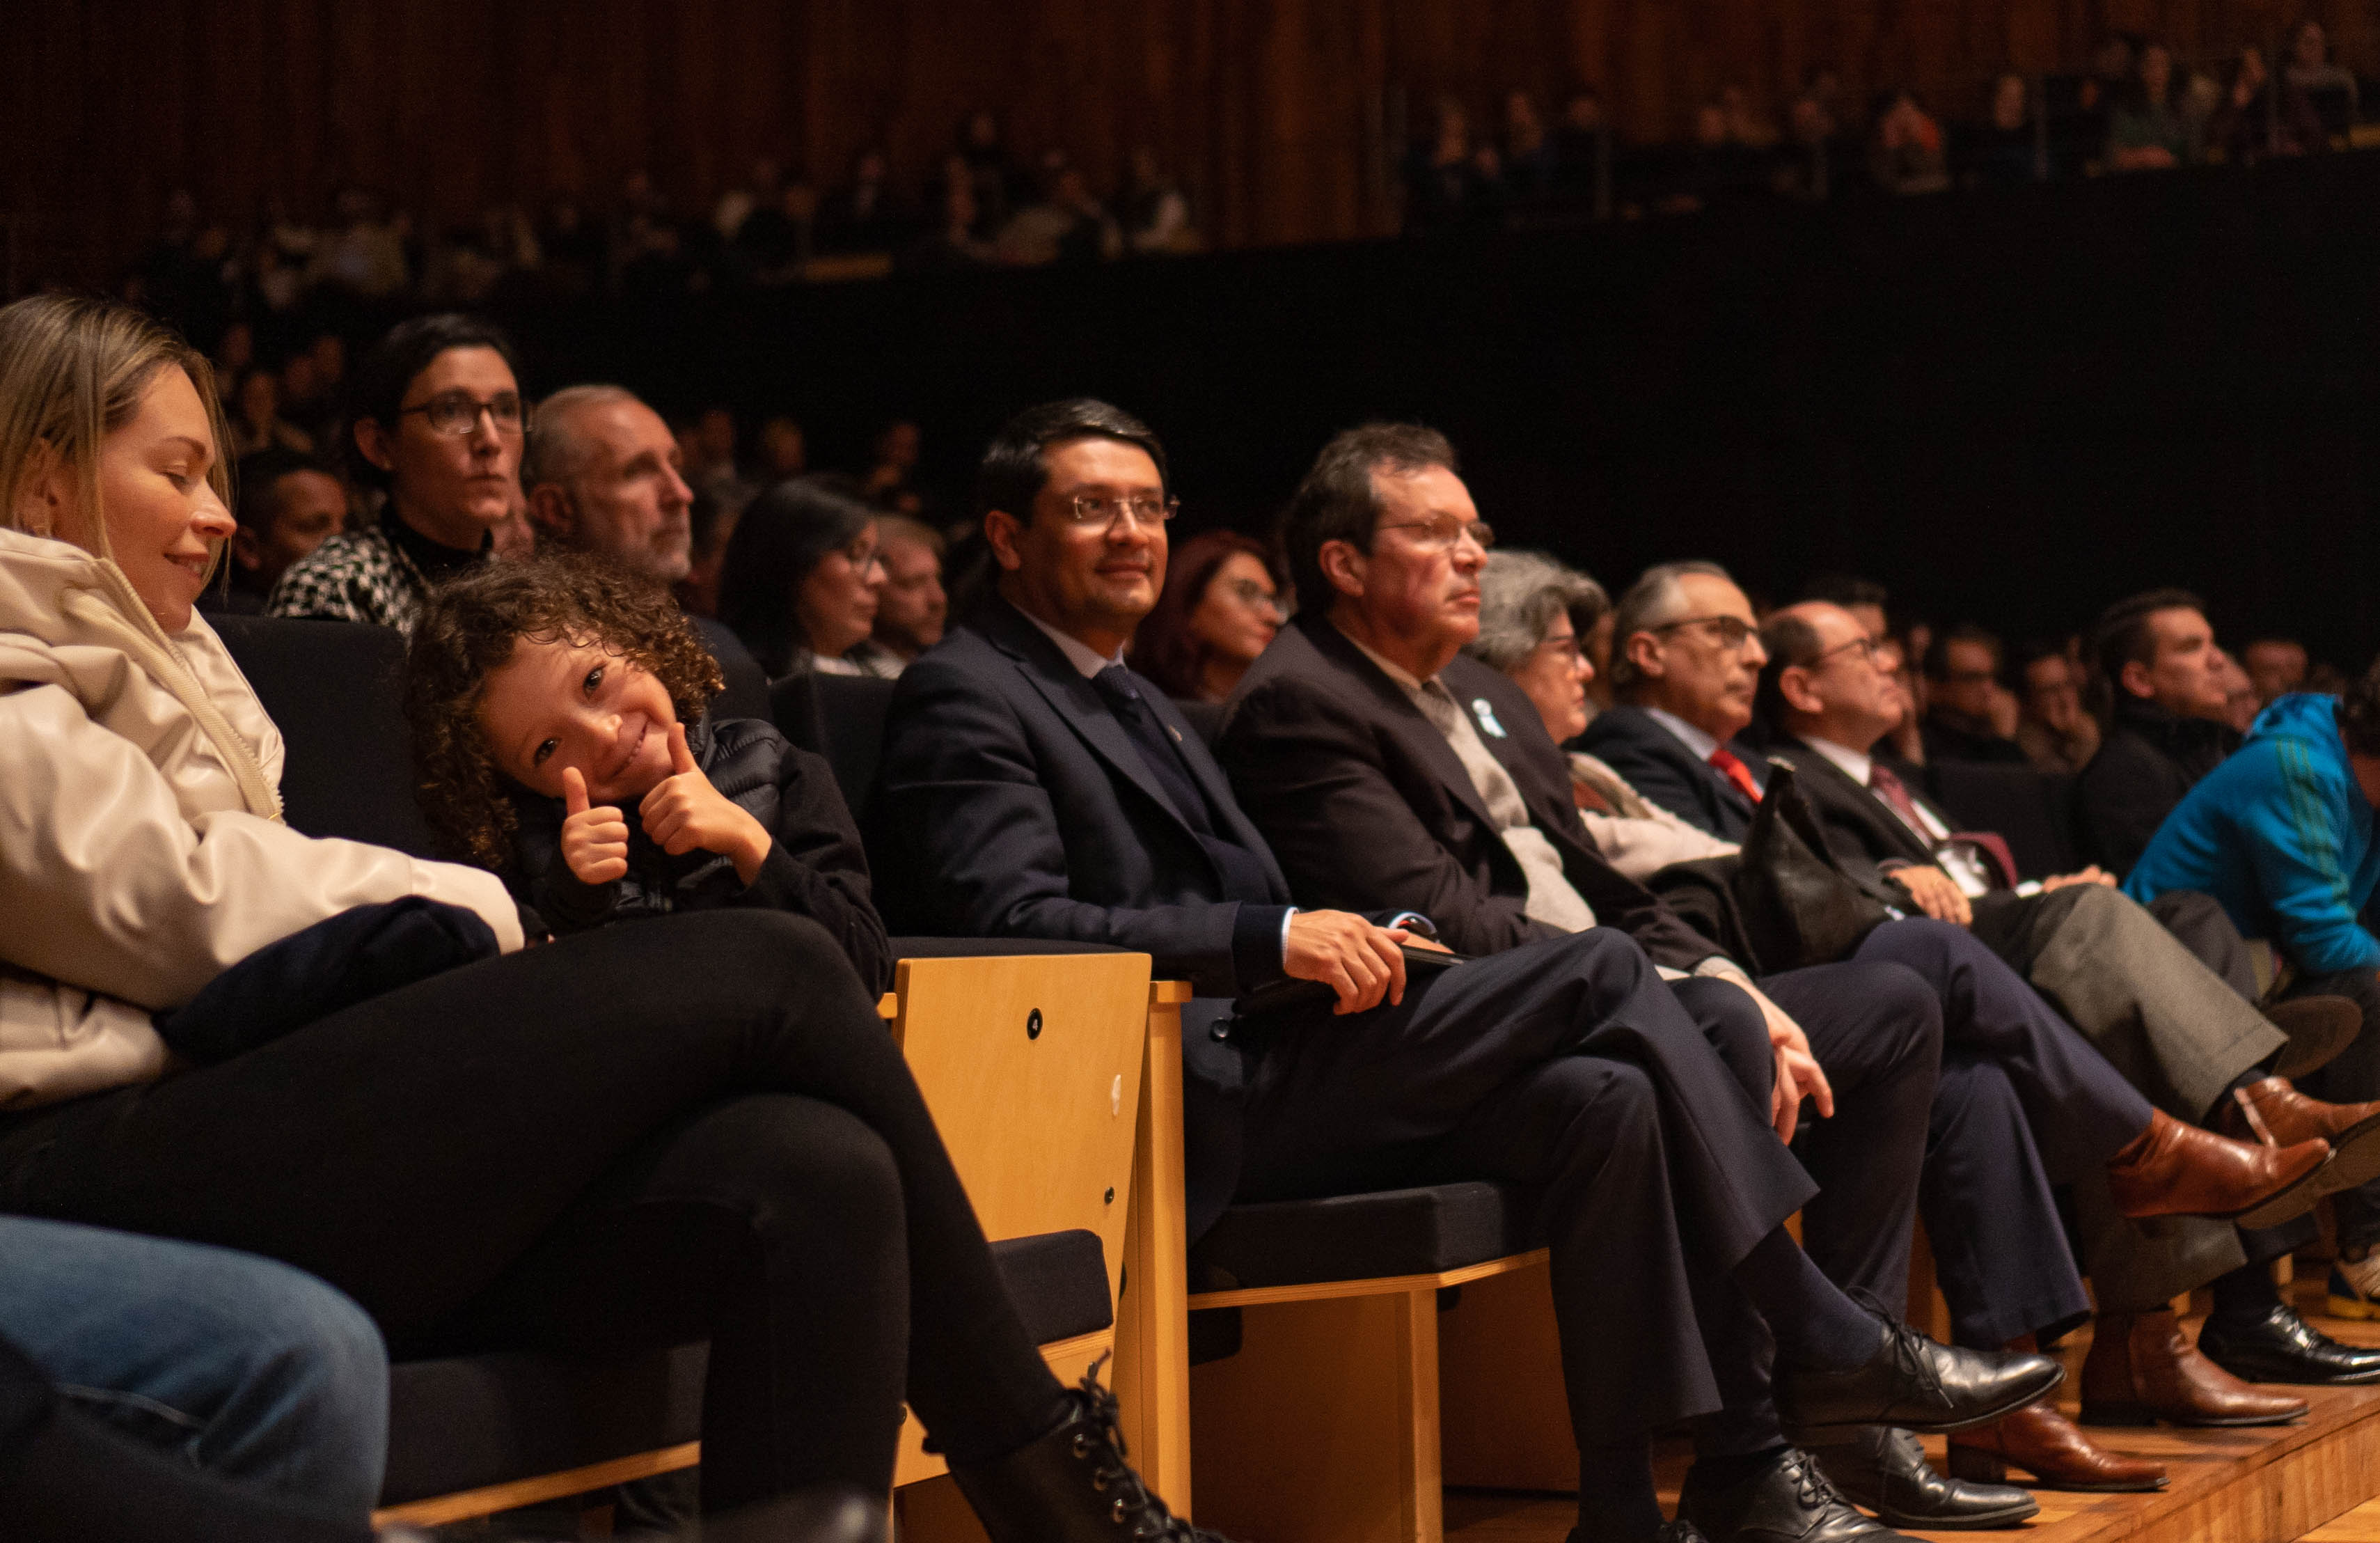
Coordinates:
[2281,833]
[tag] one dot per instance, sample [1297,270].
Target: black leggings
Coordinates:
[689,1126]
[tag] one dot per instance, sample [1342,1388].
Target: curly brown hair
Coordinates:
[469,628]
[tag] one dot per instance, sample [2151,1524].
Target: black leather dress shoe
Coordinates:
[1790,1501]
[1886,1471]
[2283,1347]
[1912,1384]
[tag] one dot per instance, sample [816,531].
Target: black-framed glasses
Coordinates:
[458,412]
[1732,632]
[1443,533]
[1149,511]
[1868,649]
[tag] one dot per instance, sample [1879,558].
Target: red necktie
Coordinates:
[1896,792]
[1730,766]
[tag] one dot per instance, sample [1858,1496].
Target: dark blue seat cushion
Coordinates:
[332,689]
[1346,1237]
[463,1422]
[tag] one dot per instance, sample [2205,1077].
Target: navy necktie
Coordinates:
[1121,689]
[1241,871]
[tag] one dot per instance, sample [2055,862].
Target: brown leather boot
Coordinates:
[2039,1439]
[2143,1368]
[2171,1169]
[2275,1113]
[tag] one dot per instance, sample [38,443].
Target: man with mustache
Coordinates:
[1033,787]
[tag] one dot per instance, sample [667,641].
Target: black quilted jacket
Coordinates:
[815,866]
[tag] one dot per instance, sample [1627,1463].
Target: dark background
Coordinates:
[2010,408]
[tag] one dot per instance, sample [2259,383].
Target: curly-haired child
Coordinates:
[561,737]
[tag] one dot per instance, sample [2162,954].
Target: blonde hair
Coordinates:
[72,370]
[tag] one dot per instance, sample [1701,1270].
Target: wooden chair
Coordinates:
[1032,1062]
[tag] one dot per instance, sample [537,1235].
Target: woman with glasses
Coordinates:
[801,579]
[1535,618]
[1220,609]
[435,426]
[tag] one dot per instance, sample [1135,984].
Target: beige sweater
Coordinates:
[141,848]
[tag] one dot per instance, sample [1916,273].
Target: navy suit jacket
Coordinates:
[1362,796]
[1010,803]
[1657,764]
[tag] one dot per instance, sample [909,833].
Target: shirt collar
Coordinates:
[1855,765]
[1079,653]
[1694,739]
[1395,672]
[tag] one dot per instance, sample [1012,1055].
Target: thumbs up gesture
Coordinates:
[594,840]
[685,812]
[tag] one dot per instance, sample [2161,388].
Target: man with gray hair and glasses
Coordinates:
[1685,664]
[603,474]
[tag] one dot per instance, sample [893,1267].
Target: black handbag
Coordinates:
[1798,905]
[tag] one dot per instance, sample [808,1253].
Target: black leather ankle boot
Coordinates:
[1072,1486]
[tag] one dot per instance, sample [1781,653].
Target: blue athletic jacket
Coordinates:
[2281,834]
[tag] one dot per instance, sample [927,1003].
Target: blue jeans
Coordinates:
[247,1369]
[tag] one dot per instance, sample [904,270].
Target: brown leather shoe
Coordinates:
[2143,1368]
[2171,1169]
[2040,1441]
[2276,1114]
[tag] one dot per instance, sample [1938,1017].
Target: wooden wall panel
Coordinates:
[1277,114]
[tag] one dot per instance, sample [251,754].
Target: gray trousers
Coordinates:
[2178,1019]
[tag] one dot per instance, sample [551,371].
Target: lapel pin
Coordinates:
[1487,716]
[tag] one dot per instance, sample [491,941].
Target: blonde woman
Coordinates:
[691,1129]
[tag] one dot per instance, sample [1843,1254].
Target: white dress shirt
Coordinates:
[1964,868]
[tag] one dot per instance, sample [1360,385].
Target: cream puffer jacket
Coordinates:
[141,848]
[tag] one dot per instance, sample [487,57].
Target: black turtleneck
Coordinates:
[436,560]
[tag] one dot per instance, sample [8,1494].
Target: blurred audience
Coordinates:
[2275,666]
[800,579]
[257,424]
[1970,713]
[1505,160]
[288,504]
[2147,129]
[1907,154]
[2052,728]
[1220,609]
[912,608]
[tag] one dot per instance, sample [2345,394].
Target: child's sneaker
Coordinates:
[2355,1287]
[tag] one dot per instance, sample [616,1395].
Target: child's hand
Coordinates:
[594,841]
[686,812]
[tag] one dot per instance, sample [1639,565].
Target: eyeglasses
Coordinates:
[1568,646]
[1868,649]
[1442,533]
[1732,632]
[458,412]
[1149,511]
[1254,596]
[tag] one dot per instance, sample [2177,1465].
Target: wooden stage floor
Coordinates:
[2318,1479]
